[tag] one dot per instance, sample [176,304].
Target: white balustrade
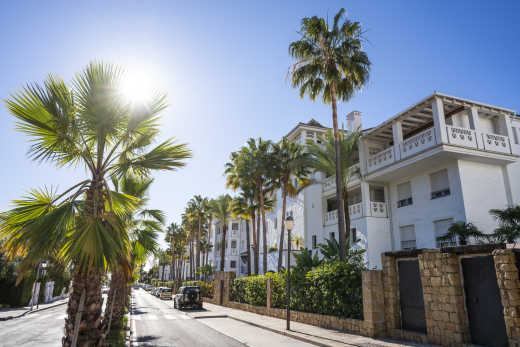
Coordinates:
[418,143]
[496,143]
[329,183]
[355,211]
[378,209]
[331,217]
[381,159]
[461,136]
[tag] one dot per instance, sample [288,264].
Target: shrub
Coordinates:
[251,290]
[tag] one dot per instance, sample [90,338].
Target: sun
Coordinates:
[137,86]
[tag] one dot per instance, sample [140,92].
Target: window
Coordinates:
[353,236]
[354,196]
[233,264]
[314,242]
[332,236]
[233,244]
[234,226]
[377,194]
[404,193]
[332,204]
[408,239]
[441,228]
[440,184]
[516,135]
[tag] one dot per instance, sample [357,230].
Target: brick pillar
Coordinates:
[373,303]
[268,304]
[391,294]
[227,278]
[509,285]
[446,319]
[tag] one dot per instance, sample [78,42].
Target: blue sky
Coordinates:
[224,63]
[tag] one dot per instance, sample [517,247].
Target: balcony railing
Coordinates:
[331,217]
[355,210]
[378,209]
[462,137]
[381,159]
[329,183]
[418,143]
[496,143]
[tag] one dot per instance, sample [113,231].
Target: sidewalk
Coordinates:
[304,332]
[10,313]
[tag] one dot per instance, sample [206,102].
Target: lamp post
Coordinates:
[289,224]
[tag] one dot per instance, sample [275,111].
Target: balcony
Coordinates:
[418,143]
[329,183]
[381,159]
[377,209]
[355,211]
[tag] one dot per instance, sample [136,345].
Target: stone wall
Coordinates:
[509,285]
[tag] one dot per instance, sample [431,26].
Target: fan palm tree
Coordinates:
[324,160]
[509,224]
[86,125]
[463,231]
[291,161]
[240,207]
[330,62]
[222,213]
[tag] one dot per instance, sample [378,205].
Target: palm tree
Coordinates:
[330,62]
[509,224]
[291,161]
[324,160]
[222,213]
[463,231]
[175,236]
[198,207]
[240,207]
[86,125]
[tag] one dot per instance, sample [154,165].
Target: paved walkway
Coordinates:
[9,313]
[304,332]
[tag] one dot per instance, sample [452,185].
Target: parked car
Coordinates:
[165,294]
[188,297]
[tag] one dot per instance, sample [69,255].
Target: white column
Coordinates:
[365,199]
[397,131]
[474,122]
[439,122]
[363,156]
[505,122]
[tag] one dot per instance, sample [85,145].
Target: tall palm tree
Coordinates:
[222,213]
[88,125]
[175,236]
[463,231]
[240,208]
[509,224]
[324,160]
[198,207]
[330,62]
[291,161]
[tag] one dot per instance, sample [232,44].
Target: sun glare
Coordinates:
[137,86]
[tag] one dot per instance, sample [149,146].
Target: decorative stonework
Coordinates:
[373,303]
[509,285]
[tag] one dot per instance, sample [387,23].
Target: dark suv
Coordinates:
[188,297]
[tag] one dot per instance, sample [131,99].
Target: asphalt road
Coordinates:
[155,322]
[44,328]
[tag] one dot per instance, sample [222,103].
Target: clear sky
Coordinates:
[224,64]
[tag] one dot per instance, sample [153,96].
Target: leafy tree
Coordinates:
[87,125]
[330,62]
[305,261]
[509,224]
[463,231]
[331,252]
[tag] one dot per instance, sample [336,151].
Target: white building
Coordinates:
[236,247]
[442,160]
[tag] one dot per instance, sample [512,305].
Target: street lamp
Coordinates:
[289,224]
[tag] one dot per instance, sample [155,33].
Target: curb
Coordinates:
[33,311]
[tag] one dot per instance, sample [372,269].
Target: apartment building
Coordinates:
[442,160]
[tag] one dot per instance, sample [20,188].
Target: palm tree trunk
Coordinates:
[264,227]
[257,249]
[255,243]
[282,231]
[191,255]
[89,328]
[339,178]
[248,243]
[223,247]
[197,250]
[116,302]
[347,218]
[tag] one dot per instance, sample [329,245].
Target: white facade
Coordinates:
[236,246]
[443,160]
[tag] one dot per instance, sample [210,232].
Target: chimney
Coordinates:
[354,121]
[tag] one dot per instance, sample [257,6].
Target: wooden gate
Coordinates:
[483,302]
[411,296]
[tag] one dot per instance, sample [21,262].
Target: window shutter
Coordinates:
[377,194]
[407,233]
[439,181]
[404,191]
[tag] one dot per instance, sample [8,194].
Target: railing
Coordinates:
[329,183]
[418,143]
[355,211]
[381,159]
[462,136]
[409,244]
[378,209]
[331,217]
[496,143]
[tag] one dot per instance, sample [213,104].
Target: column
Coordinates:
[439,122]
[373,302]
[397,131]
[363,156]
[505,124]
[474,122]
[365,199]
